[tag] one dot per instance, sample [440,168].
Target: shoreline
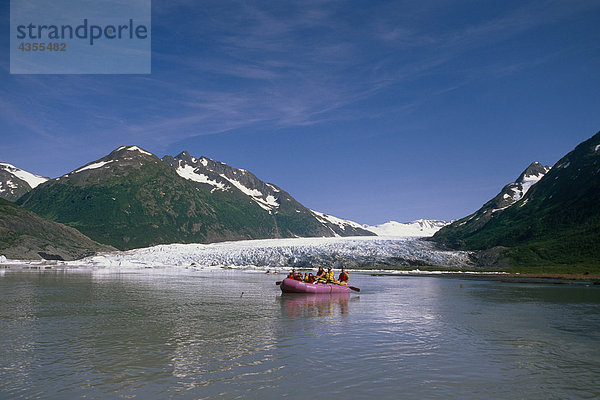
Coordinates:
[593,279]
[555,278]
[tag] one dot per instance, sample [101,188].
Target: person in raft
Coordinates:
[344,277]
[295,275]
[309,278]
[320,275]
[329,276]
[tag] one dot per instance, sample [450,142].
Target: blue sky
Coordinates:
[367,110]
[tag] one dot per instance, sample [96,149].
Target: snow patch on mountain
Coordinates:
[522,186]
[7,186]
[418,228]
[330,219]
[93,166]
[528,181]
[189,172]
[268,202]
[135,148]
[32,180]
[273,187]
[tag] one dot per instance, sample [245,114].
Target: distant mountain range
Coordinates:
[131,199]
[418,228]
[548,219]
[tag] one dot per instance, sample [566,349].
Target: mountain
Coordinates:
[291,219]
[15,182]
[509,195]
[131,199]
[553,225]
[418,228]
[24,235]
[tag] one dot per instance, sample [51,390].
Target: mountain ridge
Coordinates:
[508,195]
[131,198]
[554,226]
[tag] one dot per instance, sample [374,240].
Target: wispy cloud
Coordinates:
[233,64]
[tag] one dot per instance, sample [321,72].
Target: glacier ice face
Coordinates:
[353,252]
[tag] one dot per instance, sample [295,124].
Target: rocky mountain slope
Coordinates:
[131,199]
[24,235]
[288,214]
[553,225]
[509,195]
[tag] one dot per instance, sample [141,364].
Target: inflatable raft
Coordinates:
[293,286]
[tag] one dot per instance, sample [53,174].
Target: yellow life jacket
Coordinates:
[330,276]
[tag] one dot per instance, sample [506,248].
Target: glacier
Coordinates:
[357,253]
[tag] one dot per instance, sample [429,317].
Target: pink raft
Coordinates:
[293,286]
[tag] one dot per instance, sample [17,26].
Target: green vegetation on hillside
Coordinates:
[135,200]
[145,206]
[554,228]
[25,235]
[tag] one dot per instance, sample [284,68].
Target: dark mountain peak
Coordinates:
[119,163]
[508,196]
[186,157]
[514,191]
[575,174]
[535,171]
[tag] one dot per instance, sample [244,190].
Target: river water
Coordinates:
[231,334]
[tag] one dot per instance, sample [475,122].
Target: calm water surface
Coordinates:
[231,334]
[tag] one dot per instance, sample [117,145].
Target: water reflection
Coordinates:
[315,305]
[211,335]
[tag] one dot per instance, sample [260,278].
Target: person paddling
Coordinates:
[320,277]
[344,277]
[293,274]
